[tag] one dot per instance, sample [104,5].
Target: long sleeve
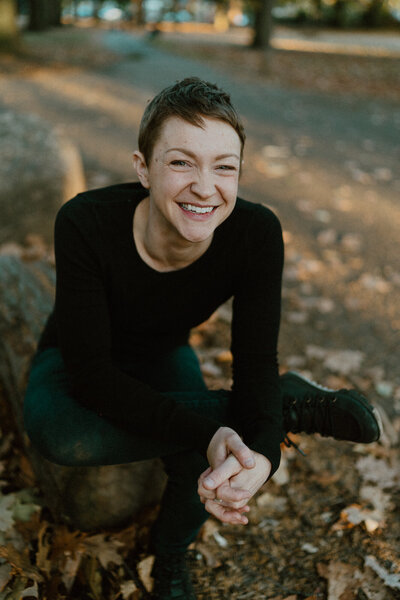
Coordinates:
[84,335]
[255,326]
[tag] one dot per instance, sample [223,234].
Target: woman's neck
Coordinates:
[160,248]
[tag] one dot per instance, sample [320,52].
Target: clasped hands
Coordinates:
[235,474]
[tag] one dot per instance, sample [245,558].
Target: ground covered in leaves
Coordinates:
[326,526]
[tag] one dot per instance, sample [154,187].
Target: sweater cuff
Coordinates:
[266,443]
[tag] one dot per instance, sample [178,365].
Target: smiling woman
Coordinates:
[192,185]
[138,265]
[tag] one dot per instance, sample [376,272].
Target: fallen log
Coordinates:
[39,170]
[86,497]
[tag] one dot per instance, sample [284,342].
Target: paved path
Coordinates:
[313,39]
[329,166]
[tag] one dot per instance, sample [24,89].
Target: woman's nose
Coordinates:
[203,185]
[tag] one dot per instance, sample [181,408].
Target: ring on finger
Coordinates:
[218,500]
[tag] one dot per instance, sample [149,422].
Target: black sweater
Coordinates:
[111,307]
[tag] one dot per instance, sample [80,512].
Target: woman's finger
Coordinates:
[239,449]
[224,472]
[201,490]
[225,515]
[229,494]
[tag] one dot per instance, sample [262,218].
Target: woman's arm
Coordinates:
[256,398]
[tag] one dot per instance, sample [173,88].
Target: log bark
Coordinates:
[86,497]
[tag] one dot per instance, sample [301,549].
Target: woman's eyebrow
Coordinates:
[192,154]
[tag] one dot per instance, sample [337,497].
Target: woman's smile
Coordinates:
[196,211]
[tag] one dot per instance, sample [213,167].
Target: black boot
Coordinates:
[342,414]
[172,578]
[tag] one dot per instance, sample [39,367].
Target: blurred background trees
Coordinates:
[259,15]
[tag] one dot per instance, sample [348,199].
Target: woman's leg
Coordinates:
[67,433]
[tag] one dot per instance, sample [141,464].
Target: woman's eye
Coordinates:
[179,163]
[226,167]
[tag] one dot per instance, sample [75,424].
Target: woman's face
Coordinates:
[192,178]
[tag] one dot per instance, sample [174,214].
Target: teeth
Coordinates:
[198,209]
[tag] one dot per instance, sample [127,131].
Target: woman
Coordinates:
[138,265]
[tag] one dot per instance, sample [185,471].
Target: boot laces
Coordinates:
[311,415]
[288,443]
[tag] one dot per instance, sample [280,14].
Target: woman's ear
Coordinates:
[139,163]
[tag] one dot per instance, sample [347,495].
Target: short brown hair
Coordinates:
[191,99]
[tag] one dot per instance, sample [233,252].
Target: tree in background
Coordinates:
[262,10]
[44,14]
[8,23]
[339,13]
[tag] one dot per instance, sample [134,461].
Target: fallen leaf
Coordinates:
[31,592]
[376,470]
[354,515]
[105,550]
[342,580]
[375,283]
[6,512]
[221,541]
[327,237]
[210,369]
[128,588]
[385,389]
[208,529]
[272,502]
[42,555]
[297,317]
[25,505]
[5,575]
[309,548]
[344,361]
[295,361]
[282,476]
[225,356]
[212,560]
[323,216]
[380,500]
[144,570]
[390,580]
[20,562]
[70,569]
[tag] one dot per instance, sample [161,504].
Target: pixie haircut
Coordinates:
[190,99]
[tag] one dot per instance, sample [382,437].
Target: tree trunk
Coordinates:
[97,7]
[8,22]
[55,13]
[317,8]
[86,497]
[373,13]
[339,9]
[262,23]
[138,12]
[38,15]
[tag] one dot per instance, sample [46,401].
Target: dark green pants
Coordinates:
[67,433]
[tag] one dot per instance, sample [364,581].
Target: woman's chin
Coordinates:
[198,238]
